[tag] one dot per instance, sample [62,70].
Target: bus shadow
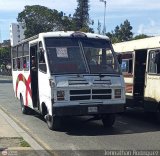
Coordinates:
[130,122]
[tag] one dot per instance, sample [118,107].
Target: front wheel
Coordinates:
[24,109]
[108,120]
[53,122]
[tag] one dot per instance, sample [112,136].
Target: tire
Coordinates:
[108,120]
[53,122]
[24,109]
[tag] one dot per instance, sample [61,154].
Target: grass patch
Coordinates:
[23,143]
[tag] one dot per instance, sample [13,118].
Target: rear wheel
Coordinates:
[24,109]
[108,120]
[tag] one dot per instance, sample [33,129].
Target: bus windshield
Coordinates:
[80,56]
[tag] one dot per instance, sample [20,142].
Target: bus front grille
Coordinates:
[90,94]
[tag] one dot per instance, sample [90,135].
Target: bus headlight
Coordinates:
[60,95]
[51,83]
[117,93]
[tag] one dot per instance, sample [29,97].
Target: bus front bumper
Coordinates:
[82,110]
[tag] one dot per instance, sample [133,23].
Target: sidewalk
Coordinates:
[15,141]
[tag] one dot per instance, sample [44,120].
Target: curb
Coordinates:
[33,143]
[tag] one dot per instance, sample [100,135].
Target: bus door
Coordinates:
[44,88]
[34,74]
[152,91]
[139,76]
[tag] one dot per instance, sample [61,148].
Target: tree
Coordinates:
[125,30]
[121,33]
[66,23]
[81,19]
[5,55]
[39,19]
[141,36]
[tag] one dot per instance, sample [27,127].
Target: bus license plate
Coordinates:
[92,109]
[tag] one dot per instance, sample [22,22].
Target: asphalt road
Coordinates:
[133,130]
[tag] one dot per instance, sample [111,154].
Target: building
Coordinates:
[16,33]
[5,43]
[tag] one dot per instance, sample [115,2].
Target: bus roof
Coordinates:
[72,33]
[65,34]
[130,46]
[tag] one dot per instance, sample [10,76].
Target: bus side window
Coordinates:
[157,61]
[126,66]
[127,63]
[14,56]
[18,63]
[26,62]
[26,56]
[152,67]
[14,64]
[21,63]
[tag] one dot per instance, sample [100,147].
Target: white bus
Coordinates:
[63,74]
[141,70]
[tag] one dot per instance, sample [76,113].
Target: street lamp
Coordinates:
[104,24]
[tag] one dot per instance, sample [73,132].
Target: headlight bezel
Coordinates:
[118,93]
[60,95]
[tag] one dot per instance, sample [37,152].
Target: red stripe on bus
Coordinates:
[27,83]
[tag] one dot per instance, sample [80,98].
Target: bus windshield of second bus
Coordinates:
[80,56]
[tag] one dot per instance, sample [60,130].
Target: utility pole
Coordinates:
[104,24]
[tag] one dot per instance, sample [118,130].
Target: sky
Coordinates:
[143,15]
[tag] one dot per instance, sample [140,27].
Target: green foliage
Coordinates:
[5,55]
[141,36]
[39,19]
[5,59]
[23,143]
[121,33]
[81,19]
[66,23]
